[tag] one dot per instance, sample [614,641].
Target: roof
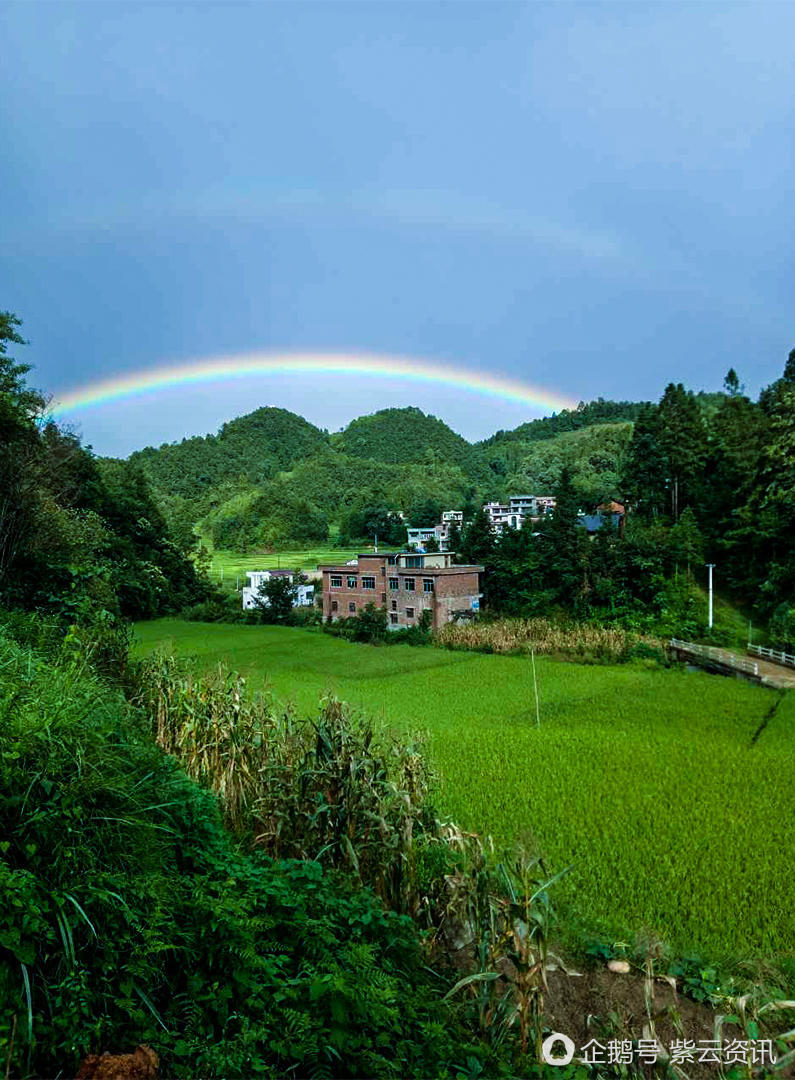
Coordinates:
[410,571]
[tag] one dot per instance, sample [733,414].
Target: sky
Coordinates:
[596,199]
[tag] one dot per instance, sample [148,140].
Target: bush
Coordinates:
[127,916]
[220,609]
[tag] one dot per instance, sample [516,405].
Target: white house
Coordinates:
[518,509]
[256,578]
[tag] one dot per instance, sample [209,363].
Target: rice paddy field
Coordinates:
[228,568]
[670,793]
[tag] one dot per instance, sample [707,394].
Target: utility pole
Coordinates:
[375,547]
[710,567]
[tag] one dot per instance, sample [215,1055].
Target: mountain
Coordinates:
[239,484]
[547,427]
[255,447]
[400,436]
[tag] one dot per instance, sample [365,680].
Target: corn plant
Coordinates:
[538,635]
[506,913]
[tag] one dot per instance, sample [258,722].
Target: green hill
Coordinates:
[235,485]
[585,415]
[256,447]
[595,455]
[400,436]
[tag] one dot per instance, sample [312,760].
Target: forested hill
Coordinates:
[254,447]
[586,414]
[401,436]
[259,446]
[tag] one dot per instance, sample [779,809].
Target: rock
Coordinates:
[620,967]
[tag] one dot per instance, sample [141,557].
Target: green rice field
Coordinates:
[229,568]
[671,794]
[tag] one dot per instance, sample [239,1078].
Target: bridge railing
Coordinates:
[776,657]
[719,656]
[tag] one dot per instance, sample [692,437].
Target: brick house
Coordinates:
[405,583]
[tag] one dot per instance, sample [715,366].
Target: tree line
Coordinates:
[79,537]
[706,478]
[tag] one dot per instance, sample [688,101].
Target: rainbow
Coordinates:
[223,368]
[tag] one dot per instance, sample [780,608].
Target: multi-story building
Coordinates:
[406,583]
[518,509]
[439,533]
[305,594]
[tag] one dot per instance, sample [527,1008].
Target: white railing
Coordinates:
[720,656]
[785,659]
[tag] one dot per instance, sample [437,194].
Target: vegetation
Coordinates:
[128,915]
[267,517]
[254,447]
[649,780]
[574,641]
[79,538]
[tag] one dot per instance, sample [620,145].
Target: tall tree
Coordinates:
[646,469]
[683,441]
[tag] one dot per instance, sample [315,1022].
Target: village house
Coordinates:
[256,578]
[440,533]
[405,583]
[517,510]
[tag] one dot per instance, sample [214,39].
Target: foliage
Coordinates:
[277,596]
[658,762]
[271,516]
[595,456]
[401,436]
[128,916]
[367,522]
[254,447]
[77,536]
[579,641]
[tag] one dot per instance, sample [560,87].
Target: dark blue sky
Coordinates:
[596,198]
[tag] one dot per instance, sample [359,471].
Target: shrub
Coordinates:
[127,916]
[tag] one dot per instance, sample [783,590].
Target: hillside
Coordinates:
[585,415]
[595,455]
[263,476]
[255,446]
[400,436]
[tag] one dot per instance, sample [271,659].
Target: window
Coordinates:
[427,584]
[394,605]
[408,584]
[352,582]
[333,605]
[393,618]
[351,606]
[368,582]
[336,581]
[393,583]
[392,560]
[409,612]
[414,560]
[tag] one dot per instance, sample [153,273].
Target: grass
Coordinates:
[228,568]
[647,780]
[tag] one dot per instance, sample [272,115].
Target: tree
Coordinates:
[478,542]
[425,513]
[731,384]
[564,546]
[686,541]
[454,538]
[682,440]
[645,470]
[276,597]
